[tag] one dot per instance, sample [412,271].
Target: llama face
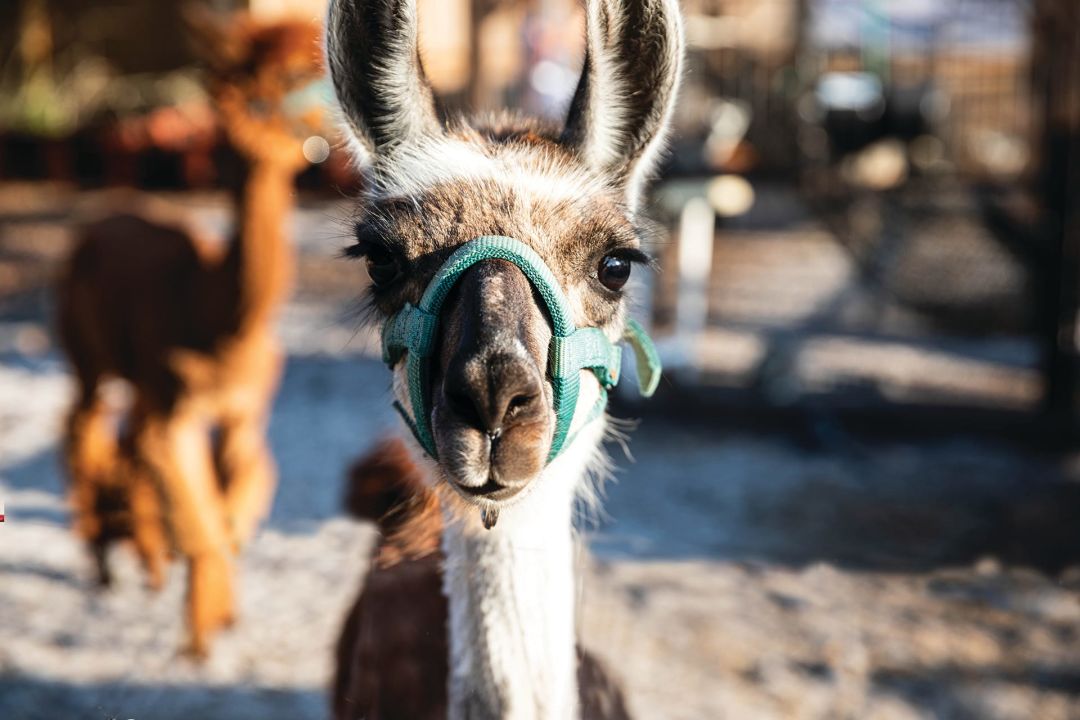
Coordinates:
[491,402]
[569,193]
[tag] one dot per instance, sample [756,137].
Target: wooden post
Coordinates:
[697,232]
[1055,84]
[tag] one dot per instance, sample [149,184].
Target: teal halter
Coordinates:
[413,330]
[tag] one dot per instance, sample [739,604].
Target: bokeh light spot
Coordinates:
[316,149]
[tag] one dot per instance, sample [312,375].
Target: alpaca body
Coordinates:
[191,331]
[149,304]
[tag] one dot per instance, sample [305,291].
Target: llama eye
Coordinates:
[382,265]
[613,272]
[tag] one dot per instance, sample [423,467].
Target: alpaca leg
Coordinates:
[91,459]
[179,452]
[210,597]
[147,517]
[147,529]
[147,526]
[249,474]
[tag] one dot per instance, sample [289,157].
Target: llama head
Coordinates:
[570,194]
[266,79]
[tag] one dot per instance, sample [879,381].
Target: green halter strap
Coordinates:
[412,332]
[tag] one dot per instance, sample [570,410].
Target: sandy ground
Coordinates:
[737,575]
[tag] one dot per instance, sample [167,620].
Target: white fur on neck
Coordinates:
[511,592]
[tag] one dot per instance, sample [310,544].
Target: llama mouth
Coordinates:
[490,498]
[491,491]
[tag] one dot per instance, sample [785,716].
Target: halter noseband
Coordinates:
[412,332]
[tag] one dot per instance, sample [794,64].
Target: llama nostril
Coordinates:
[519,403]
[461,404]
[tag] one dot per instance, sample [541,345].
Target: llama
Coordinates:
[494,247]
[191,331]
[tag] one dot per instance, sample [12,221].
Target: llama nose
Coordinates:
[493,394]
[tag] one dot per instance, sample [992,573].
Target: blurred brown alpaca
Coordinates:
[393,652]
[192,331]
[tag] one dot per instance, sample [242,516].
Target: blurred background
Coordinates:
[857,491]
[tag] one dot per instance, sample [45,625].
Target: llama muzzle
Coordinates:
[490,390]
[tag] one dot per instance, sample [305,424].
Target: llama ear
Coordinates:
[374,62]
[623,103]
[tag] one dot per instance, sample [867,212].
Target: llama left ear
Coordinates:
[624,100]
[374,62]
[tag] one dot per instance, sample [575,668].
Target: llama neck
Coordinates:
[511,596]
[261,260]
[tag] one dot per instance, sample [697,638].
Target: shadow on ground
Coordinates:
[960,693]
[46,699]
[887,506]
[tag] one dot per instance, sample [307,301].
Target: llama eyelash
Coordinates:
[359,247]
[356,251]
[368,238]
[634,255]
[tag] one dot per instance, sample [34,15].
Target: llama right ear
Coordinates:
[374,61]
[624,100]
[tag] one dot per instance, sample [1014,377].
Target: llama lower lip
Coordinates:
[490,491]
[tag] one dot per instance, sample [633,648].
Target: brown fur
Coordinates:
[392,653]
[387,487]
[191,331]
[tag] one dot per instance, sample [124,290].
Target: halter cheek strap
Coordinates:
[412,331]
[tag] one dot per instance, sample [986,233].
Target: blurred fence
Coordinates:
[925,259]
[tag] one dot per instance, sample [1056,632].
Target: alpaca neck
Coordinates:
[260,261]
[511,596]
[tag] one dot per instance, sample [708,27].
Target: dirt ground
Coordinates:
[737,574]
